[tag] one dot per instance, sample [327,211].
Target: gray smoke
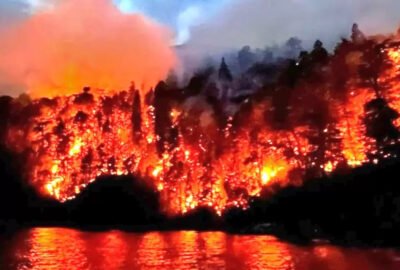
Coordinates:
[266,22]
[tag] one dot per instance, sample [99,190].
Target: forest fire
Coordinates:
[194,159]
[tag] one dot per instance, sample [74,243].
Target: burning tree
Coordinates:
[320,113]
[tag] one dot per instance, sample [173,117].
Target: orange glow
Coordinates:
[74,143]
[156,172]
[82,43]
[59,248]
[267,174]
[71,140]
[76,147]
[391,79]
[329,167]
[355,143]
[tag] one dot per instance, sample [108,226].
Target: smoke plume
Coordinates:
[81,43]
[267,22]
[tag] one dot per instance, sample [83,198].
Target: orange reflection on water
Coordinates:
[111,250]
[183,250]
[262,252]
[330,257]
[151,252]
[57,248]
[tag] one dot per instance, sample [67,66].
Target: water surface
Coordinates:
[58,248]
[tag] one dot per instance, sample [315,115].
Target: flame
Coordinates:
[71,140]
[76,147]
[355,144]
[267,174]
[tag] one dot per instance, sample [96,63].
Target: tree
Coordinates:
[341,71]
[293,46]
[245,58]
[5,111]
[224,73]
[378,119]
[268,56]
[290,75]
[374,63]
[136,116]
[198,82]
[304,63]
[172,80]
[319,54]
[357,36]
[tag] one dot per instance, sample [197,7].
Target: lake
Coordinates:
[59,248]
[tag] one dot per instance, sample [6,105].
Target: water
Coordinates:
[57,248]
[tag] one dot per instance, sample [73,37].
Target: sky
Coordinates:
[179,15]
[263,22]
[234,23]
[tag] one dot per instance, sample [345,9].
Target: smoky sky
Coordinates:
[264,22]
[207,27]
[234,23]
[78,43]
[180,15]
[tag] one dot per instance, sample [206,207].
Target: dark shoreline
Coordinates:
[356,209]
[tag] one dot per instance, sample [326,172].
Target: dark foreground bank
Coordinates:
[358,208]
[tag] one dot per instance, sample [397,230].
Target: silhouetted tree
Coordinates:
[304,63]
[374,63]
[290,76]
[172,80]
[293,47]
[149,97]
[357,36]
[340,69]
[198,82]
[224,73]
[319,54]
[246,58]
[268,56]
[85,97]
[24,99]
[136,116]
[5,107]
[379,117]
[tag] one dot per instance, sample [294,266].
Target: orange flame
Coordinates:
[72,142]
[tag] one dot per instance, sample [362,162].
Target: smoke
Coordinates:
[79,43]
[181,15]
[268,22]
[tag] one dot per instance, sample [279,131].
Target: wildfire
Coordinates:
[71,140]
[355,143]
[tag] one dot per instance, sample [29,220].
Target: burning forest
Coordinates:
[200,146]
